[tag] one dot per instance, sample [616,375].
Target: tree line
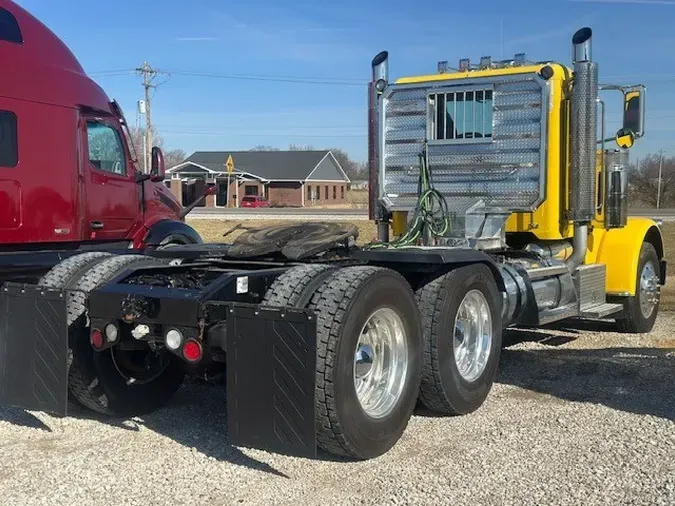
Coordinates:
[643,181]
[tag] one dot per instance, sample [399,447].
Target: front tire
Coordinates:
[368,360]
[640,311]
[462,339]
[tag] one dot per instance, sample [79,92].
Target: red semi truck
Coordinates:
[68,175]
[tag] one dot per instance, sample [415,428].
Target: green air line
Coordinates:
[423,216]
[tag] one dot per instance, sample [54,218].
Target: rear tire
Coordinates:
[93,378]
[63,274]
[639,319]
[296,286]
[348,421]
[450,384]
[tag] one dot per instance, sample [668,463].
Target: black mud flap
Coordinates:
[271,359]
[33,348]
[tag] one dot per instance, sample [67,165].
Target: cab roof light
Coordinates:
[442,67]
[519,59]
[485,62]
[464,64]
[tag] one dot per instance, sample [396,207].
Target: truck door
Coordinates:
[112,200]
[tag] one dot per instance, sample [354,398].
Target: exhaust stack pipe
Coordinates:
[380,67]
[583,141]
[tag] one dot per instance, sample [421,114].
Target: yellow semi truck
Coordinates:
[498,203]
[518,151]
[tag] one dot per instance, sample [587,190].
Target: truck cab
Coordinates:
[68,174]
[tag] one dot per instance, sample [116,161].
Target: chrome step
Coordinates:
[600,310]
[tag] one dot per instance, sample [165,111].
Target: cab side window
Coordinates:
[106,151]
[9,28]
[9,149]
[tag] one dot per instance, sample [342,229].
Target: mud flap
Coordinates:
[271,360]
[33,348]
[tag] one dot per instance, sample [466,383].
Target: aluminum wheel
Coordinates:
[381,363]
[649,289]
[472,336]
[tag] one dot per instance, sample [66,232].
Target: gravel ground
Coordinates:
[578,416]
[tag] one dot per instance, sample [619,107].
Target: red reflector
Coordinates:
[192,350]
[96,339]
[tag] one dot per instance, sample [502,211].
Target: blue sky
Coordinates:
[335,42]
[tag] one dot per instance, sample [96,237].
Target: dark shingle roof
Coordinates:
[271,165]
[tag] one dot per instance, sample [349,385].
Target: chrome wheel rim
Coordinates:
[472,335]
[649,289]
[381,363]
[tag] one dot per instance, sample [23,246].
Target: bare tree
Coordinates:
[262,147]
[295,147]
[173,157]
[644,181]
[353,169]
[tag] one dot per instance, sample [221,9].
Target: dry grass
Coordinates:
[355,199]
[213,230]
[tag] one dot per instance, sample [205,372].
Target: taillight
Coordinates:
[192,350]
[96,339]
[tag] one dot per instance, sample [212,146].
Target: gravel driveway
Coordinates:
[578,416]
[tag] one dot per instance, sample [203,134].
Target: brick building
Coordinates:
[285,178]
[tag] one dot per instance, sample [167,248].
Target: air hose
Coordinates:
[425,217]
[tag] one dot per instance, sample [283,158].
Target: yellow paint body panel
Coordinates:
[619,250]
[399,223]
[450,76]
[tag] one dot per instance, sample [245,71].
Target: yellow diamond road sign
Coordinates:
[229,164]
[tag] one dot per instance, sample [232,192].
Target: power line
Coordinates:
[341,81]
[259,134]
[264,78]
[283,127]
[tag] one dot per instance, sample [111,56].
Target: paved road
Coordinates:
[280,210]
[308,213]
[661,214]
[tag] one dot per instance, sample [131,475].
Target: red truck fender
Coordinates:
[167,231]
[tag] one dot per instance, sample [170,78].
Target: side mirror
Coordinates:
[634,111]
[158,169]
[625,138]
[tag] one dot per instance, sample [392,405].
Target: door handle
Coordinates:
[96,225]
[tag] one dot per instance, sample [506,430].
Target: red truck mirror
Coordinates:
[158,169]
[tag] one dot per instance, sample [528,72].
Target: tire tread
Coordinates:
[331,302]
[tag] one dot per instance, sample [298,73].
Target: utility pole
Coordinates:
[148,74]
[658,191]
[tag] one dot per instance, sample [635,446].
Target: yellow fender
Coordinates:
[619,250]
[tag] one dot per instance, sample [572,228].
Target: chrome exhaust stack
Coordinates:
[583,140]
[380,80]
